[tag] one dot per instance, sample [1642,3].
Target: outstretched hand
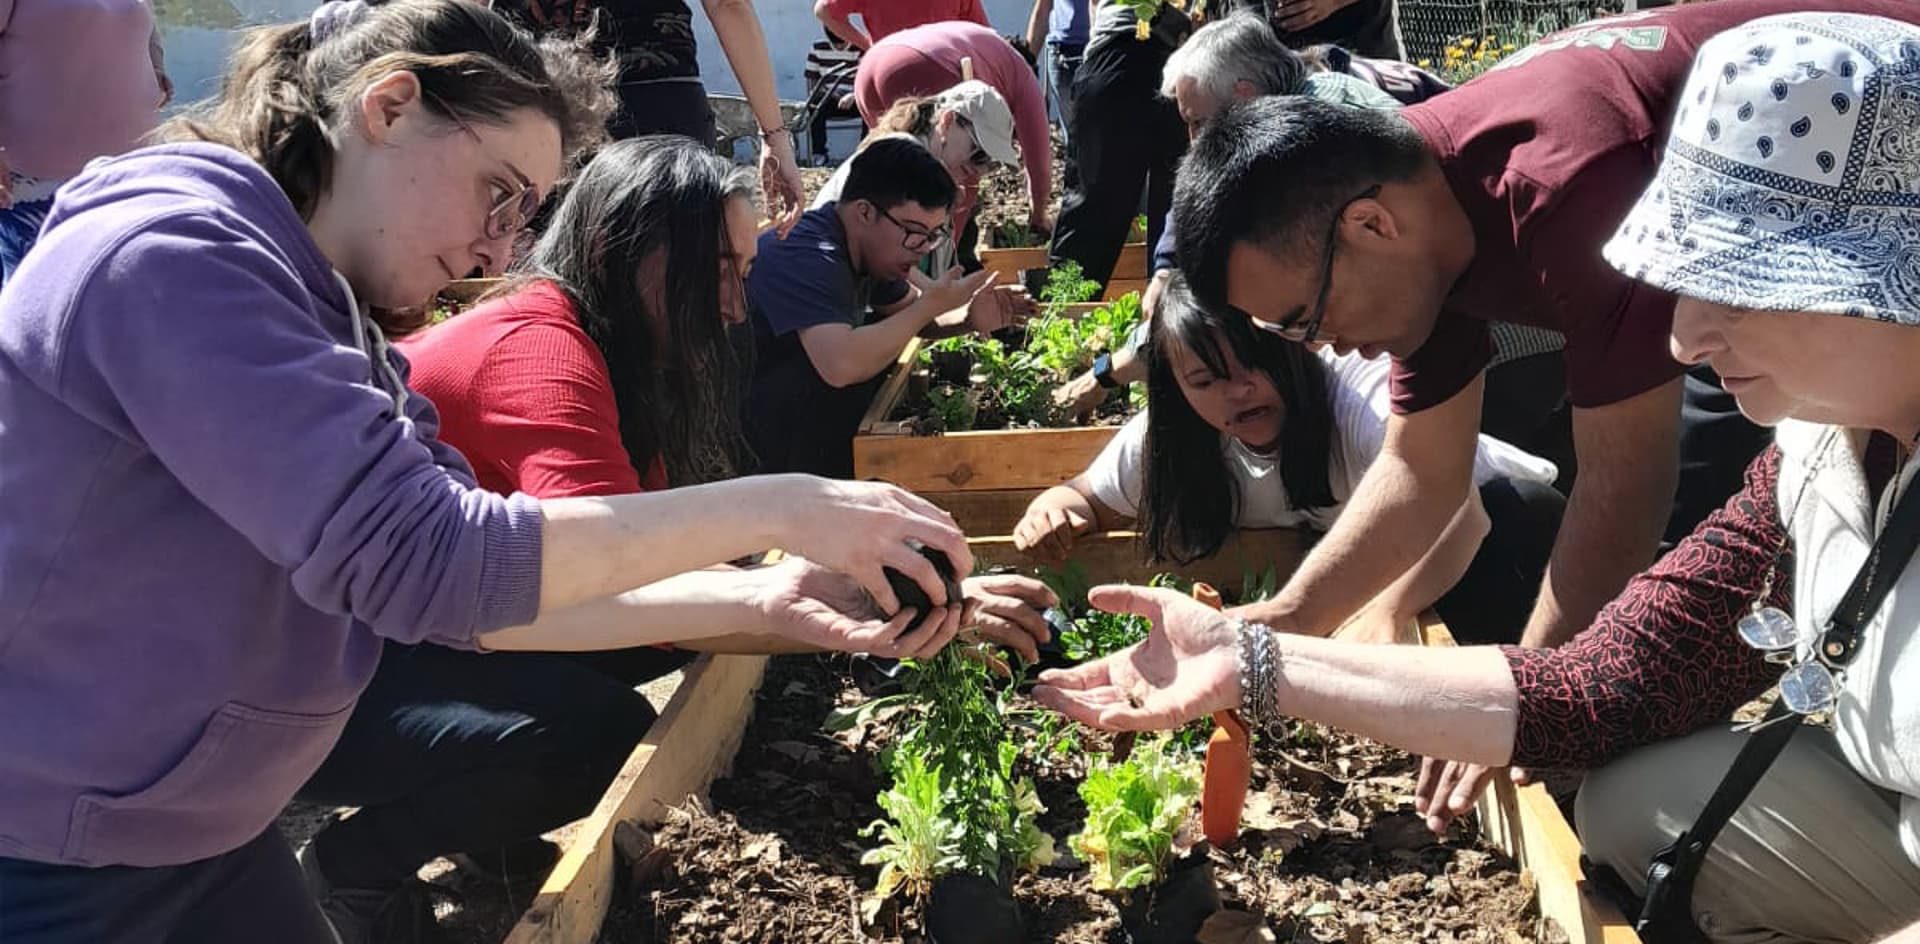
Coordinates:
[1186,668]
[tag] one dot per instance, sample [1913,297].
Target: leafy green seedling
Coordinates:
[1135,810]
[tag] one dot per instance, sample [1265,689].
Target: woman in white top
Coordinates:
[1244,429]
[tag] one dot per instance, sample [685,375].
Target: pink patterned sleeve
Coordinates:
[1662,659]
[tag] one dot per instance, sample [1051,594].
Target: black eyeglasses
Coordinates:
[1307,330]
[515,208]
[916,238]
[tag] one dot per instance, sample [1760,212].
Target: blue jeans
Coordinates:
[19,228]
[254,893]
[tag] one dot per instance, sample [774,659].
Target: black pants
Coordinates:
[1494,598]
[664,108]
[1124,137]
[1525,405]
[252,894]
[451,751]
[1717,444]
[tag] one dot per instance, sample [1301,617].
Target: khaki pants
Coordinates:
[1813,854]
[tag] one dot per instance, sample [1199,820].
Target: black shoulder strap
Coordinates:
[1667,907]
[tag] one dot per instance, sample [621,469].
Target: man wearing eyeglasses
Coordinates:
[1350,228]
[835,302]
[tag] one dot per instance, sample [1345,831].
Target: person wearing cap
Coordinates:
[1785,220]
[955,125]
[835,302]
[1407,235]
[1004,106]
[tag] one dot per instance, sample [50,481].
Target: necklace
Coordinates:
[1817,661]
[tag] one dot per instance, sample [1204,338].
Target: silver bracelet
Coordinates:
[1259,667]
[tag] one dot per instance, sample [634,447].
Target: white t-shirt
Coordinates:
[1361,402]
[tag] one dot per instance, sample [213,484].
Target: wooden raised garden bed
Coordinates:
[1129,273]
[773,855]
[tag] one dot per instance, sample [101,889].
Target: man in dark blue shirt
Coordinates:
[835,303]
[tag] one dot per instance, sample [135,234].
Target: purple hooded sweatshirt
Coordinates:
[209,515]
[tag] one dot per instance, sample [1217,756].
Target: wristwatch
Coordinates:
[1103,371]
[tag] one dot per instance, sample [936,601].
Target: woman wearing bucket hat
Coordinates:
[1786,217]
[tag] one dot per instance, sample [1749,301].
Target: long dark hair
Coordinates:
[645,223]
[1190,500]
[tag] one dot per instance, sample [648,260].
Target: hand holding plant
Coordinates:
[1005,609]
[1185,669]
[810,604]
[859,528]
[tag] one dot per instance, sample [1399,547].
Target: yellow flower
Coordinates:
[1508,48]
[1479,57]
[1142,30]
[1426,63]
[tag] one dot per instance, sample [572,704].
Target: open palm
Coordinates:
[1185,669]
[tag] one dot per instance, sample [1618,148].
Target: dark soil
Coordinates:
[1331,851]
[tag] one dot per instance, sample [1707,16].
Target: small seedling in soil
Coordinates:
[1013,234]
[1135,813]
[956,807]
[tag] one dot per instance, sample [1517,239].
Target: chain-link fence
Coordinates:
[1427,26]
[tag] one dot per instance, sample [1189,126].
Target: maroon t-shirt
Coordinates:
[1546,154]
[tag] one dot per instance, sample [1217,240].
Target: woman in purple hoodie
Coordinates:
[217,495]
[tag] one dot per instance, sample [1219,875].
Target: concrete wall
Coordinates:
[791,30]
[198,33]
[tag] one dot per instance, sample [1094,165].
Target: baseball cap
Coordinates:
[989,115]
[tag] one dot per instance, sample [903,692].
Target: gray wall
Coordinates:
[198,33]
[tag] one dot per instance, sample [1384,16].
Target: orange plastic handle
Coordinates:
[1228,770]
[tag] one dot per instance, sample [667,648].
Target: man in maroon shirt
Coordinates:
[1406,236]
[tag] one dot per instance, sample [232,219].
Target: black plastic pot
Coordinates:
[970,909]
[1173,911]
[951,367]
[912,596]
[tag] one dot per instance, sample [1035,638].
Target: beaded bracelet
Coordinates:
[1259,671]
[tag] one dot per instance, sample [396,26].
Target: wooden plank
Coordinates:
[1115,556]
[1526,824]
[980,459]
[1120,287]
[986,512]
[1010,263]
[692,743]
[891,390]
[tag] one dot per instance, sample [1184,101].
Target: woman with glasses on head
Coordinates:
[1783,217]
[604,368]
[1246,430]
[222,496]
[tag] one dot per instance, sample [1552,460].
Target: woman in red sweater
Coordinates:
[608,368]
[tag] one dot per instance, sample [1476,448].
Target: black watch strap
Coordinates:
[1103,371]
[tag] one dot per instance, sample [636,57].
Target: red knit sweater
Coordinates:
[525,395]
